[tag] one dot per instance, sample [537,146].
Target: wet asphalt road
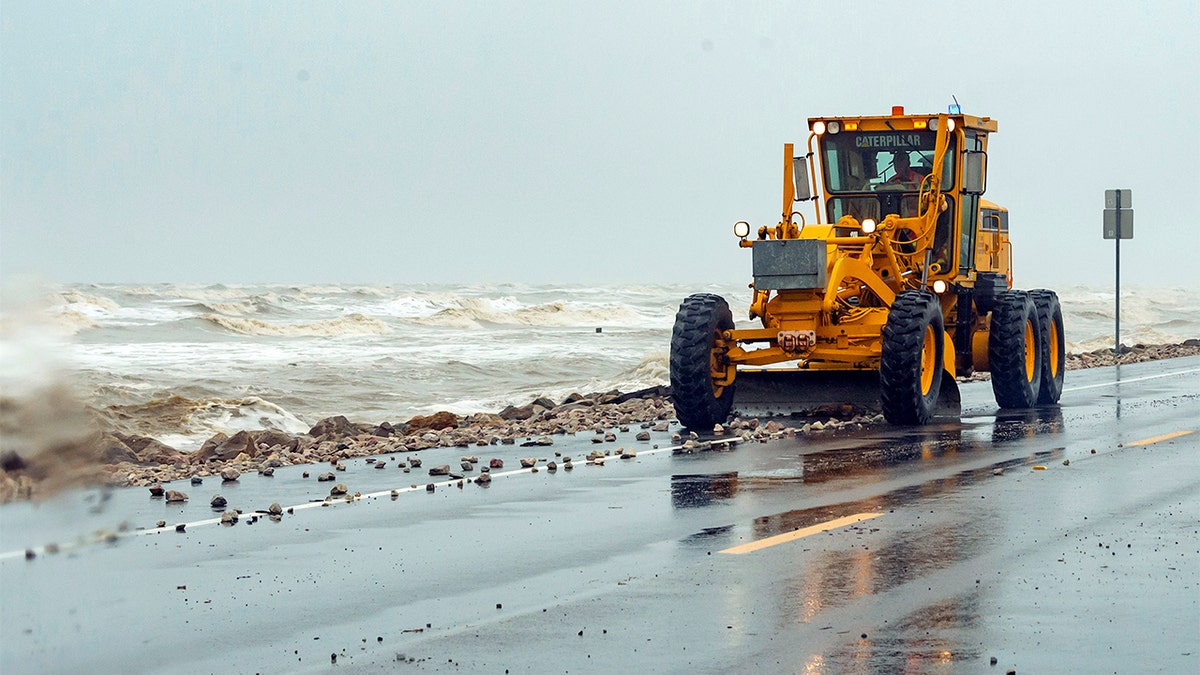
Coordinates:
[927,550]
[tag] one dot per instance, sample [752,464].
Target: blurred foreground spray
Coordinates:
[48,440]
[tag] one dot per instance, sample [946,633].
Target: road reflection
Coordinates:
[696,490]
[862,563]
[1017,424]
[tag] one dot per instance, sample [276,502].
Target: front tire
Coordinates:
[1054,353]
[696,347]
[1015,350]
[911,359]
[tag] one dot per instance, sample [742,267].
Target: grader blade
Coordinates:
[768,392]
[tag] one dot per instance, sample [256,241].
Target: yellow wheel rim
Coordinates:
[928,360]
[1054,347]
[716,366]
[1030,351]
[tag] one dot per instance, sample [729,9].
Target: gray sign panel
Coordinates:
[1110,223]
[1110,199]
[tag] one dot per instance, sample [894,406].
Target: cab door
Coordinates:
[991,242]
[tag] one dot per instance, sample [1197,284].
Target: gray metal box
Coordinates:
[782,264]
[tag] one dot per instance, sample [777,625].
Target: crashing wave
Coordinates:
[350,324]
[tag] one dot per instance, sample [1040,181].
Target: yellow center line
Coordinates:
[1164,437]
[800,534]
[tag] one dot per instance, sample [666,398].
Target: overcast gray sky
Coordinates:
[559,142]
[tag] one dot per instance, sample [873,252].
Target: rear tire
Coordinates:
[699,402]
[1015,350]
[1054,354]
[912,358]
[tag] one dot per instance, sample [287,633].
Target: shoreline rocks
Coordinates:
[125,460]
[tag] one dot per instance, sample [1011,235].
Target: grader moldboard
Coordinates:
[902,282]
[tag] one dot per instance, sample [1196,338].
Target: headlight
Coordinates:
[939,286]
[741,229]
[834,127]
[818,127]
[950,125]
[868,225]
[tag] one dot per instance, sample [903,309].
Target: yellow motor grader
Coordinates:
[901,282]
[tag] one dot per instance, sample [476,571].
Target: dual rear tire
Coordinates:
[1026,350]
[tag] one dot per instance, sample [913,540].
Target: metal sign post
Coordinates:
[1118,225]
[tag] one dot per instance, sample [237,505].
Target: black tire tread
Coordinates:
[1006,351]
[1049,311]
[699,319]
[900,359]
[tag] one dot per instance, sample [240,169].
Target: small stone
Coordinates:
[567,466]
[998,471]
[643,436]
[471,458]
[628,454]
[395,494]
[441,470]
[268,471]
[528,462]
[992,660]
[496,463]
[326,478]
[176,496]
[275,509]
[339,489]
[467,466]
[380,465]
[552,467]
[229,518]
[218,502]
[161,524]
[339,466]
[156,490]
[29,554]
[304,475]
[429,488]
[230,475]
[180,527]
[197,480]
[1066,462]
[414,462]
[610,437]
[484,479]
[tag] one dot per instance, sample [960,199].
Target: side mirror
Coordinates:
[975,172]
[800,179]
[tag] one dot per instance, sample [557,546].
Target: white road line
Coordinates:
[1132,379]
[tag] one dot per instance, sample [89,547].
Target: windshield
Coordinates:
[869,161]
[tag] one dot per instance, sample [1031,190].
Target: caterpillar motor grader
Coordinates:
[901,282]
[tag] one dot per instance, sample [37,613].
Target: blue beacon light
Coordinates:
[955,109]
